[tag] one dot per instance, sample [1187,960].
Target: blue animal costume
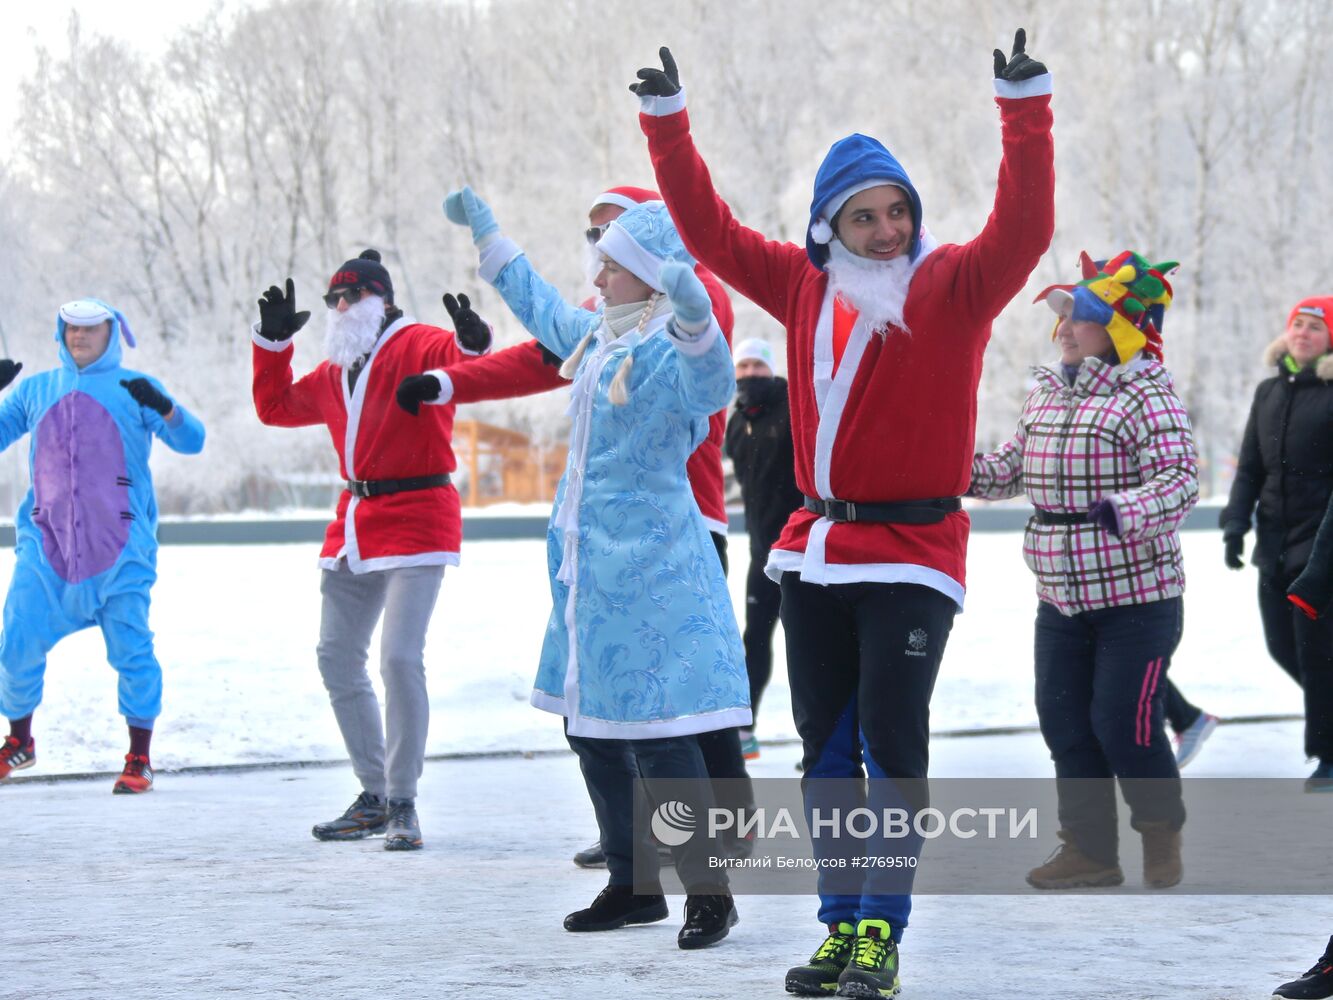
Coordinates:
[87,528]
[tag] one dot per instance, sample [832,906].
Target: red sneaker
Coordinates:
[137,776]
[15,756]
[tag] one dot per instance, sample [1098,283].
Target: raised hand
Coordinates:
[9,371]
[415,390]
[278,318]
[1019,66]
[689,298]
[654,82]
[471,330]
[147,395]
[464,208]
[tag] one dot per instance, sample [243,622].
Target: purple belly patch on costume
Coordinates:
[80,488]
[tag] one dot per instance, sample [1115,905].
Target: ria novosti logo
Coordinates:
[673,823]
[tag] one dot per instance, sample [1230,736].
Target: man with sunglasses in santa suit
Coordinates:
[396,527]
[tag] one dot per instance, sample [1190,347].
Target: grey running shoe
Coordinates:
[364,818]
[404,831]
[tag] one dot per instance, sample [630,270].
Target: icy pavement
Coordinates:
[211,886]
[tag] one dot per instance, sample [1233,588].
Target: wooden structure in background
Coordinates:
[504,466]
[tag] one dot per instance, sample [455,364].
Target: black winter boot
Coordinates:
[616,906]
[708,919]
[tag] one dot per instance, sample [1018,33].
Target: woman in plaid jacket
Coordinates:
[1104,451]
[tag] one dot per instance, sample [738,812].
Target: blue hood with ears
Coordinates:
[94,310]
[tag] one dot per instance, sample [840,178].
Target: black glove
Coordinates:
[278,318]
[1020,65]
[470,329]
[417,389]
[1235,549]
[664,82]
[146,395]
[549,357]
[9,371]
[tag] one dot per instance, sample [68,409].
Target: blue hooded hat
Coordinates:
[643,239]
[854,164]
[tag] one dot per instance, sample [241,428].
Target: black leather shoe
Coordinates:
[708,919]
[616,906]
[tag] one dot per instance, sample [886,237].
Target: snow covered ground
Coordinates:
[212,887]
[236,629]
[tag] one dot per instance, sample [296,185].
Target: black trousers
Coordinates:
[763,598]
[1304,649]
[1100,701]
[723,757]
[1180,714]
[610,768]
[862,659]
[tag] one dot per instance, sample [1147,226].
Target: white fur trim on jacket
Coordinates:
[446,387]
[660,107]
[276,346]
[1017,89]
[1323,368]
[785,561]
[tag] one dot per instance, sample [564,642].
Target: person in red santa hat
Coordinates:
[529,368]
[396,527]
[886,329]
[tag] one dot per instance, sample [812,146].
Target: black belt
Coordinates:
[379,487]
[928,511]
[1055,517]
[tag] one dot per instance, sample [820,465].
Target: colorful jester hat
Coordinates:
[1125,294]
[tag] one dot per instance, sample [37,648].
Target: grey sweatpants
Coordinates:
[351,607]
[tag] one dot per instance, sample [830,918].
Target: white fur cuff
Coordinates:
[1014,90]
[694,344]
[660,107]
[495,257]
[276,346]
[446,388]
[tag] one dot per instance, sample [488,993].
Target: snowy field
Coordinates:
[236,630]
[212,887]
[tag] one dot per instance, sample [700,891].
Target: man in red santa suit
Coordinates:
[529,368]
[886,329]
[396,527]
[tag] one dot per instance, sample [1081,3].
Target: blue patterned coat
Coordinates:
[642,641]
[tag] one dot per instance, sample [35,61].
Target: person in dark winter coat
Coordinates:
[1284,480]
[1104,451]
[758,442]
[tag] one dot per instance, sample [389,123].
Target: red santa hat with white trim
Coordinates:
[625,197]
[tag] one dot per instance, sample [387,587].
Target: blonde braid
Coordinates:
[571,366]
[618,392]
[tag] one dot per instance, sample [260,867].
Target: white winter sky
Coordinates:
[146,24]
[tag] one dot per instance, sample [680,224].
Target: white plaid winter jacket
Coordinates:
[1117,433]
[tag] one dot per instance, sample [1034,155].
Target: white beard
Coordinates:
[592,264]
[877,289]
[350,335]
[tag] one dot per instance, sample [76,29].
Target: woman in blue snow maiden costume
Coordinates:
[87,529]
[642,652]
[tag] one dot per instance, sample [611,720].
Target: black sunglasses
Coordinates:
[595,233]
[353,295]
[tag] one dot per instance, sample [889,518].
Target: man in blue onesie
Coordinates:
[87,529]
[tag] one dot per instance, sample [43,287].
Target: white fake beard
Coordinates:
[592,264]
[877,289]
[350,335]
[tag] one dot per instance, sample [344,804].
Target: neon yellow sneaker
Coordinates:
[873,969]
[819,978]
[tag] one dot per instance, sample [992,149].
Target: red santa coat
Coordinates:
[896,420]
[375,439]
[520,371]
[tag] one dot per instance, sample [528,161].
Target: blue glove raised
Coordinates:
[689,298]
[464,208]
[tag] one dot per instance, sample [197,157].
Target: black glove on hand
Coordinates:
[664,82]
[470,329]
[1020,65]
[549,357]
[278,318]
[9,371]
[1235,549]
[417,389]
[147,396]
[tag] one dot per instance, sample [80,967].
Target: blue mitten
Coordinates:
[689,298]
[464,208]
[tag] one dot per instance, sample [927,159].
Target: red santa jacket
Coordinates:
[519,371]
[896,421]
[375,439]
